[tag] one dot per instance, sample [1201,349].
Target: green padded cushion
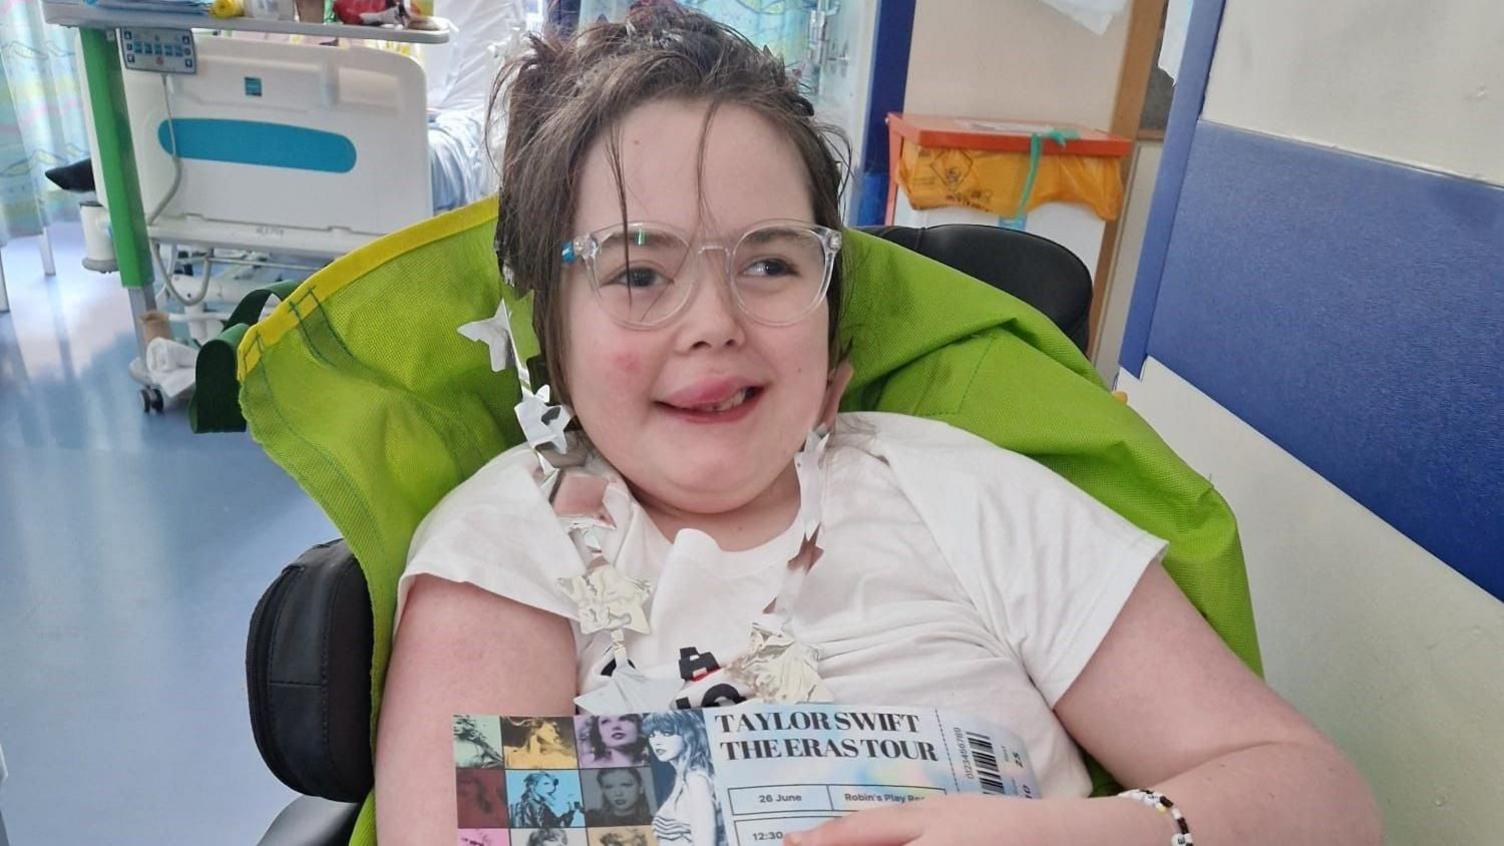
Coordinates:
[215,406]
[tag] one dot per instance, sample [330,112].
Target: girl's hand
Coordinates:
[943,821]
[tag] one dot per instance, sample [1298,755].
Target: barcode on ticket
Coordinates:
[999,773]
[985,758]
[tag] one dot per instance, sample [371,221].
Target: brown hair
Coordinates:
[562,94]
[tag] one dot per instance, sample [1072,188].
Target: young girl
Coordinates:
[624,799]
[538,806]
[538,743]
[688,815]
[611,740]
[623,838]
[548,837]
[714,533]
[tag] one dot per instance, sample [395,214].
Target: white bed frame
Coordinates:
[374,98]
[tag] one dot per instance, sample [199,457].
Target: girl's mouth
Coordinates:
[734,407]
[727,404]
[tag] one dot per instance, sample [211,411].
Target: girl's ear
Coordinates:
[835,386]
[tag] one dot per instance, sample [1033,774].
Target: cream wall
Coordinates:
[1017,59]
[1421,83]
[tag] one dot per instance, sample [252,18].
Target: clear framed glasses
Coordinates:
[778,270]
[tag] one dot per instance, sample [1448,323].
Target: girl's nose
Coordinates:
[711,319]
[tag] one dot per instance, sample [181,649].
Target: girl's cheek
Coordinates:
[625,362]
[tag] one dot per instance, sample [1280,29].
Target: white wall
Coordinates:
[1016,59]
[1387,649]
[1421,83]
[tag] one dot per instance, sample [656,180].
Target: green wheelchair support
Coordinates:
[359,387]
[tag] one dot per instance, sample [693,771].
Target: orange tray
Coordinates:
[1011,136]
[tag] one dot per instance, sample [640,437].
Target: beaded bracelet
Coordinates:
[1162,804]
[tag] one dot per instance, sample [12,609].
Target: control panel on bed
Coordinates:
[160,50]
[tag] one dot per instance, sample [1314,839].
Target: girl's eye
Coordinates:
[770,266]
[638,277]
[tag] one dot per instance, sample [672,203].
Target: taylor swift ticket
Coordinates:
[739,776]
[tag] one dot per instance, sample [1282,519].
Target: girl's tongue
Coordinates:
[727,404]
[718,400]
[711,394]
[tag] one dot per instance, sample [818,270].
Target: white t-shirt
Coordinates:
[954,575]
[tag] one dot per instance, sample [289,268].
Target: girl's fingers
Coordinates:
[878,827]
[934,840]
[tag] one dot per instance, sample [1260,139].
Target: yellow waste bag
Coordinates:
[994,181]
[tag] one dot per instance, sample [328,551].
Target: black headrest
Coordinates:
[1037,270]
[308,674]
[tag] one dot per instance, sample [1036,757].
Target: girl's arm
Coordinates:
[701,798]
[459,650]
[1162,704]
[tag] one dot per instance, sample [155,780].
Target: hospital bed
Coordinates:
[292,149]
[203,214]
[314,150]
[270,160]
[275,157]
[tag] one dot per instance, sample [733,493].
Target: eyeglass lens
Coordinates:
[642,273]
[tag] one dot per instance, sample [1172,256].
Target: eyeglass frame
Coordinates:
[584,248]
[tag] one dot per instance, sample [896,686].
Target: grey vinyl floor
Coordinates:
[131,555]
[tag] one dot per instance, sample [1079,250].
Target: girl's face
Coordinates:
[666,747]
[630,387]
[621,790]
[475,789]
[547,733]
[617,732]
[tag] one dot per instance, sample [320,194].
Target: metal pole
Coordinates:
[44,244]
[117,164]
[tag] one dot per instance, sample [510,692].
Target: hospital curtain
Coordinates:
[41,119]
[780,25]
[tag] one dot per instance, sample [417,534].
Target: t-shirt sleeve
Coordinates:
[497,532]
[1049,566]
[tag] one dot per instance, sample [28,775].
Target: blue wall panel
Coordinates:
[1352,310]
[1185,111]
[890,79]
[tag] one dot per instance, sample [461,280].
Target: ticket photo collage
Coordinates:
[557,781]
